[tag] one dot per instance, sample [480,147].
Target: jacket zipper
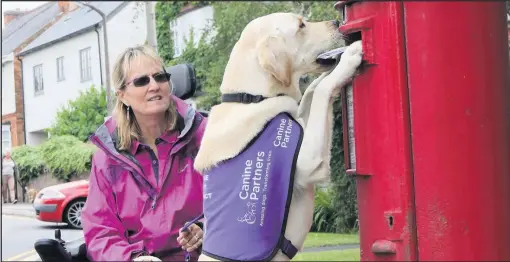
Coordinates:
[153,205]
[169,166]
[99,143]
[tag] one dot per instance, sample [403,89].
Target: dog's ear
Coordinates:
[274,59]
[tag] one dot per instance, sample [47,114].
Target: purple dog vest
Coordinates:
[247,198]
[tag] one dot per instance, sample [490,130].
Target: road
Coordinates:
[20,233]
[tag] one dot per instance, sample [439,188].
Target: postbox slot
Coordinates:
[361,29]
[353,37]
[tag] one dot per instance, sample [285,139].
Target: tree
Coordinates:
[334,213]
[82,116]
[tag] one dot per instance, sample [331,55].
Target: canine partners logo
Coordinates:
[255,176]
[250,216]
[252,182]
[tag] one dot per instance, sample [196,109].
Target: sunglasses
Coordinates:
[159,77]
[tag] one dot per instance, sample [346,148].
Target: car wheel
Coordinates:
[72,214]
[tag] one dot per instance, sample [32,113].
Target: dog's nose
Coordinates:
[336,23]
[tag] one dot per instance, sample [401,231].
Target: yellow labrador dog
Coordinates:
[265,66]
[273,52]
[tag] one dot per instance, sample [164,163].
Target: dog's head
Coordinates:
[284,47]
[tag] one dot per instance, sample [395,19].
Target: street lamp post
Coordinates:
[106,58]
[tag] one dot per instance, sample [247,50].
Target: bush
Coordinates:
[82,115]
[324,213]
[29,162]
[66,156]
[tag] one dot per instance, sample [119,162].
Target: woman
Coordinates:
[143,187]
[8,170]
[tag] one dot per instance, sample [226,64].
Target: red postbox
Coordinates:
[427,129]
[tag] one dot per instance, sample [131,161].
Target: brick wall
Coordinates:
[14,128]
[10,15]
[18,132]
[46,180]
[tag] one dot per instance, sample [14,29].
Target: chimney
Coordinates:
[67,6]
[10,15]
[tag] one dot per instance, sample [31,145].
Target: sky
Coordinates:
[22,5]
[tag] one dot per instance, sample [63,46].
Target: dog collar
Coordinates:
[244,98]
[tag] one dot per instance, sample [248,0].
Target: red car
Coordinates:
[62,203]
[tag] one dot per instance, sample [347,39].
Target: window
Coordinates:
[85,66]
[38,80]
[60,69]
[175,31]
[6,137]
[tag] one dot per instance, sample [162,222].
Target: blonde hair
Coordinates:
[128,129]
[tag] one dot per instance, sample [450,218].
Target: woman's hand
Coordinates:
[191,239]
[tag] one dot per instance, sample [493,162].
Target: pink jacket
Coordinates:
[124,213]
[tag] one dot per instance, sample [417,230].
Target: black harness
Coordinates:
[243,98]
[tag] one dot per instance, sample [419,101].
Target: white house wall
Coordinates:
[127,28]
[8,98]
[198,20]
[40,110]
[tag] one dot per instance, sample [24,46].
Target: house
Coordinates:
[21,28]
[190,20]
[69,57]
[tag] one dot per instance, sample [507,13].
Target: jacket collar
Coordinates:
[107,132]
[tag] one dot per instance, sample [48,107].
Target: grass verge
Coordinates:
[330,239]
[335,255]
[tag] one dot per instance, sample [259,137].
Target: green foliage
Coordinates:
[82,116]
[336,211]
[29,162]
[165,12]
[66,156]
[323,217]
[62,156]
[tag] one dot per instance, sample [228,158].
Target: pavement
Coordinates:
[18,221]
[19,209]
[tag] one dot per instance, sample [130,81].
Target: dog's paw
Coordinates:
[354,49]
[350,61]
[346,68]
[353,56]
